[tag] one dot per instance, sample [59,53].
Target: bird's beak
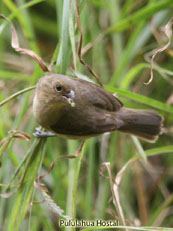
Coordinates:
[69,98]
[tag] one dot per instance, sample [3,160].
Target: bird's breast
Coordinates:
[45,113]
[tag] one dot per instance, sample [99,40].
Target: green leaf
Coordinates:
[63,56]
[25,191]
[141,99]
[144,13]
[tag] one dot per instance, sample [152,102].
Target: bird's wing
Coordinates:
[99,97]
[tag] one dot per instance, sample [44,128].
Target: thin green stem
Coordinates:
[76,181]
[16,94]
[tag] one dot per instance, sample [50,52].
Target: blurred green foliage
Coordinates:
[117,36]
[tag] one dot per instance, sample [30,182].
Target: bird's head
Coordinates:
[55,89]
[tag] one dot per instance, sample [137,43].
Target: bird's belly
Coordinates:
[75,137]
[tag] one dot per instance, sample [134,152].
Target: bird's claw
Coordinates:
[40,134]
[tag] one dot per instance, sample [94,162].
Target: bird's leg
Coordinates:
[41,134]
[79,150]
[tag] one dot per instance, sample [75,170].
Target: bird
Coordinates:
[78,109]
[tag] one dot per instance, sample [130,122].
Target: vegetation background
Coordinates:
[117,38]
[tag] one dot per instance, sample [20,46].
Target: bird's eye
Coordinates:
[58,88]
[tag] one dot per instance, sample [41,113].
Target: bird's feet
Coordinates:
[40,134]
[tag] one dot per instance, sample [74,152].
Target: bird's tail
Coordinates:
[146,124]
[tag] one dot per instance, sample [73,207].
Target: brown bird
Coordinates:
[78,109]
